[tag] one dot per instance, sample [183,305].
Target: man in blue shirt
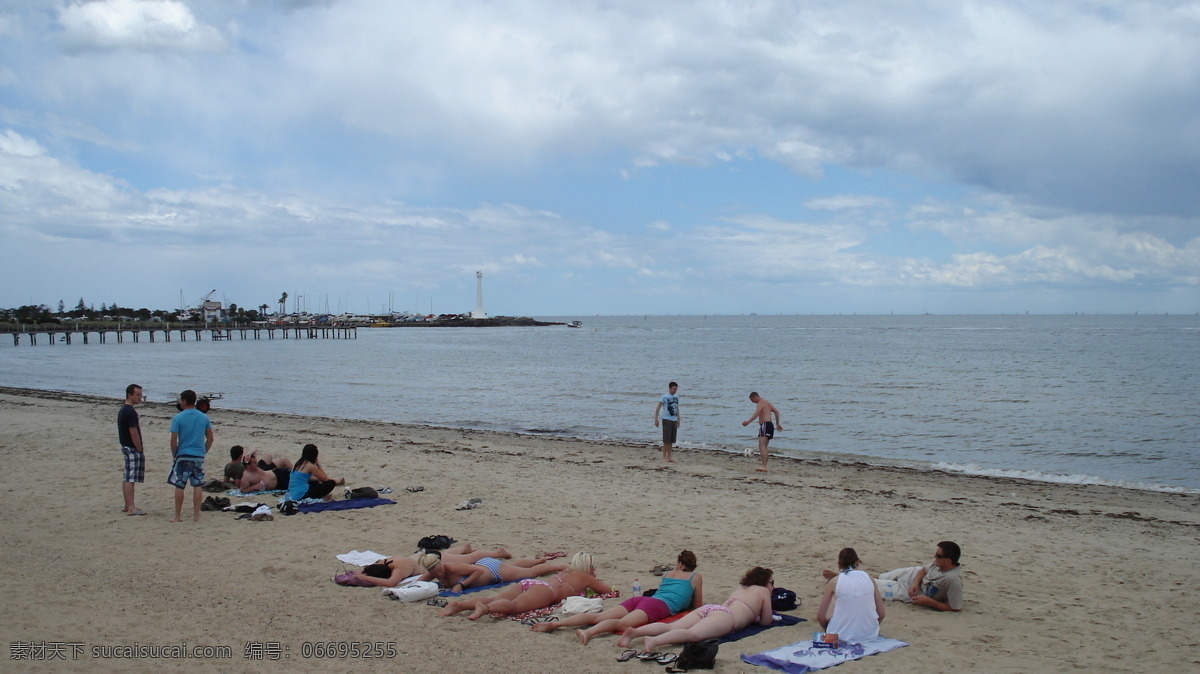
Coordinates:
[191,437]
[668,405]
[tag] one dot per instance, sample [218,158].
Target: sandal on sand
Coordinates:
[667,658]
[627,655]
[650,655]
[136,511]
[436,601]
[551,555]
[413,489]
[660,569]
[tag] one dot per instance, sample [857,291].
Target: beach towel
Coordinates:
[801,657]
[754,628]
[361,558]
[345,505]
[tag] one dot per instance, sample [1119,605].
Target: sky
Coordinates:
[603,156]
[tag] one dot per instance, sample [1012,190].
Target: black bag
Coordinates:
[697,655]
[435,542]
[783,600]
[363,492]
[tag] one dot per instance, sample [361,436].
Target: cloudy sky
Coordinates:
[603,156]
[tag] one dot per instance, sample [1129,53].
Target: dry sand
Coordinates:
[1057,577]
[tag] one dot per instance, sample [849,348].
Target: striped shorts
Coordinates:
[135,465]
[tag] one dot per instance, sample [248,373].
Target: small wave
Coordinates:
[1038,476]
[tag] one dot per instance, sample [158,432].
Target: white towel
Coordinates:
[361,558]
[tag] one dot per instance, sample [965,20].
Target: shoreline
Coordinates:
[1057,576]
[803,456]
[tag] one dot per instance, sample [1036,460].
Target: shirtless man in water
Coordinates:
[763,410]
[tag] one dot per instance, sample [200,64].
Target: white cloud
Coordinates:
[150,25]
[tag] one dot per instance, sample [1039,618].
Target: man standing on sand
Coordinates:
[669,406]
[129,434]
[766,430]
[191,438]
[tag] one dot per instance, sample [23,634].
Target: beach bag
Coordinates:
[362,492]
[435,542]
[891,590]
[417,590]
[783,599]
[697,655]
[350,580]
[577,605]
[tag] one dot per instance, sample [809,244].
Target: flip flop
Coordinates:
[552,555]
[660,569]
[411,489]
[136,511]
[436,602]
[667,658]
[384,490]
[627,655]
[649,655]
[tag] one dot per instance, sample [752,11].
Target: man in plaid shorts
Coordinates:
[191,438]
[129,434]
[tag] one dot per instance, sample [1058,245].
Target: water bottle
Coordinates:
[637,587]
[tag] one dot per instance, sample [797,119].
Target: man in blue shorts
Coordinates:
[129,434]
[191,438]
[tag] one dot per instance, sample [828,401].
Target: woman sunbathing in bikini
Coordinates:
[750,603]
[390,571]
[458,576]
[532,593]
[681,588]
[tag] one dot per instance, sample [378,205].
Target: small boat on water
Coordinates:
[575,324]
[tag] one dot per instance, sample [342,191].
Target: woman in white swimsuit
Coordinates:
[534,593]
[750,603]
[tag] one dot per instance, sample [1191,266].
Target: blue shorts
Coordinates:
[135,465]
[187,470]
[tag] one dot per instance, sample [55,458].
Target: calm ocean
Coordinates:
[1106,399]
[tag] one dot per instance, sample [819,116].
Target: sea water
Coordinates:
[1106,399]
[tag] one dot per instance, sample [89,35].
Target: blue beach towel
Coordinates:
[754,628]
[352,504]
[801,657]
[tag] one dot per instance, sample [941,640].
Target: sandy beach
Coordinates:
[1058,577]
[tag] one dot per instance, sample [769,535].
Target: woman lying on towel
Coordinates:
[531,593]
[388,572]
[681,589]
[458,576]
[851,606]
[748,604]
[308,478]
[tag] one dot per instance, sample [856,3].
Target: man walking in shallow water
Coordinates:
[763,410]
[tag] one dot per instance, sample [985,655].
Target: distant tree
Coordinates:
[62,307]
[103,308]
[262,309]
[81,306]
[283,304]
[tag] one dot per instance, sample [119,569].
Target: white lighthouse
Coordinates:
[479,312]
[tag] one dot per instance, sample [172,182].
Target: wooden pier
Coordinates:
[51,334]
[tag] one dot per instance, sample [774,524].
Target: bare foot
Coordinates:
[479,612]
[195,518]
[451,608]
[626,638]
[175,520]
[501,553]
[760,470]
[649,645]
[544,627]
[582,636]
